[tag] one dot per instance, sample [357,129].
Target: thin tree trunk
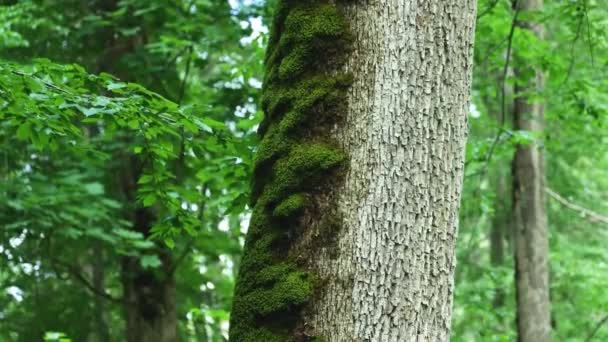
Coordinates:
[530,216]
[151,313]
[500,223]
[501,220]
[100,331]
[380,240]
[95,269]
[149,294]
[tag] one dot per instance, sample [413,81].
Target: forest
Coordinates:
[303,170]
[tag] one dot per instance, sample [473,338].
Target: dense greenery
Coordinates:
[107,107]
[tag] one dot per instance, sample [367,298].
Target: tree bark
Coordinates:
[405,134]
[386,265]
[530,216]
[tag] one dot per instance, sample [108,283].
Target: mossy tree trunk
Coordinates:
[359,173]
[529,208]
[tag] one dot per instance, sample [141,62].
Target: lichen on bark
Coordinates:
[302,98]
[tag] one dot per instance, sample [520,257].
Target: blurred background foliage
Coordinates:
[92,90]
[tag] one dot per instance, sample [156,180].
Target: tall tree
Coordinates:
[359,172]
[529,209]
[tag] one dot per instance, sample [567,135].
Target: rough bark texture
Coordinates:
[378,239]
[530,216]
[404,133]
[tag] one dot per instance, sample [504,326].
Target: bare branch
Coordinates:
[73,271]
[503,114]
[589,214]
[597,327]
[488,10]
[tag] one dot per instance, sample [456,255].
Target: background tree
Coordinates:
[531,234]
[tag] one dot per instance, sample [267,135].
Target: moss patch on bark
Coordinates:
[303,96]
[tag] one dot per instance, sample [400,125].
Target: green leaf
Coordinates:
[24,131]
[149,199]
[89,111]
[94,188]
[116,85]
[128,234]
[170,243]
[150,261]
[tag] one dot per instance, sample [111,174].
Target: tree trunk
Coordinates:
[530,216]
[149,295]
[500,231]
[99,327]
[359,173]
[500,224]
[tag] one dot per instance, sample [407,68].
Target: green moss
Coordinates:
[308,28]
[302,98]
[290,206]
[303,167]
[288,291]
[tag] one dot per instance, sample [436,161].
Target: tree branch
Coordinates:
[597,327]
[73,271]
[488,9]
[502,95]
[189,246]
[591,215]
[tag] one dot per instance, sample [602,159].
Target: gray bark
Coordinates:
[390,274]
[530,216]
